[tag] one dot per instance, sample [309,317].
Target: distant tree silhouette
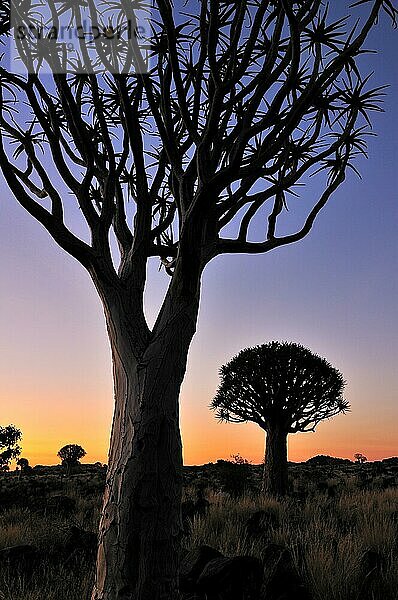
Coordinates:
[70,455]
[360,458]
[24,466]
[9,448]
[284,388]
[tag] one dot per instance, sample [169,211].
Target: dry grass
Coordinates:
[333,542]
[49,584]
[330,540]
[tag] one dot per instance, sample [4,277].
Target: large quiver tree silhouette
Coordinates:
[284,388]
[242,102]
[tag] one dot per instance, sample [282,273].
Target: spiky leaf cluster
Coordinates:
[280,385]
[243,101]
[4,16]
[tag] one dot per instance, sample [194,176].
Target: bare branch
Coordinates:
[242,102]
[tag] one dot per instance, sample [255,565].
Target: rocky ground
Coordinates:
[335,537]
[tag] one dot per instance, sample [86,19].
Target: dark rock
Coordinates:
[192,565]
[188,509]
[237,578]
[322,486]
[372,561]
[79,541]
[191,509]
[18,553]
[283,581]
[37,504]
[22,558]
[261,522]
[332,491]
[202,507]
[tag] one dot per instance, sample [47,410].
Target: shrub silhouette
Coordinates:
[234,476]
[322,460]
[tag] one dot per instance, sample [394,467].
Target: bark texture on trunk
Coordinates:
[140,527]
[275,480]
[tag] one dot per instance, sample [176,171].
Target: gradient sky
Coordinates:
[335,292]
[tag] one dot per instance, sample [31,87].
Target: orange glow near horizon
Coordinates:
[56,375]
[204,440]
[336,438]
[75,406]
[51,413]
[249,444]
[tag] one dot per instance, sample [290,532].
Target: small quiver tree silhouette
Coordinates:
[70,456]
[284,388]
[360,458]
[9,448]
[24,466]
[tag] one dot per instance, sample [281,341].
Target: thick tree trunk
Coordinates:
[275,480]
[140,527]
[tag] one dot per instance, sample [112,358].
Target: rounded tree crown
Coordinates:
[9,436]
[71,452]
[9,448]
[279,384]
